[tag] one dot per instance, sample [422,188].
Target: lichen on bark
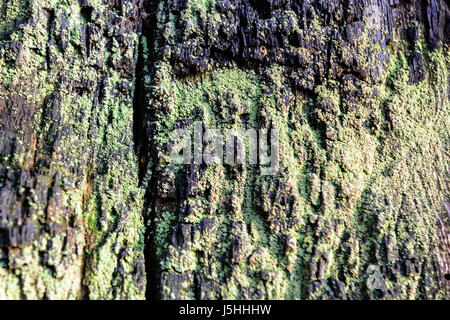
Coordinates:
[92,205]
[70,222]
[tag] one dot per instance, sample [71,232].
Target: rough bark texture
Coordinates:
[92,206]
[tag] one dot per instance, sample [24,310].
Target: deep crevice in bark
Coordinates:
[142,135]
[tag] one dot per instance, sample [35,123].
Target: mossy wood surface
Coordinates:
[93,207]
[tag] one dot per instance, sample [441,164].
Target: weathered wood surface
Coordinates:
[92,206]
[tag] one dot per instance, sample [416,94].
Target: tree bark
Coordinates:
[93,206]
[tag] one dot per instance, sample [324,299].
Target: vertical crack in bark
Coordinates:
[151,262]
[142,137]
[140,147]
